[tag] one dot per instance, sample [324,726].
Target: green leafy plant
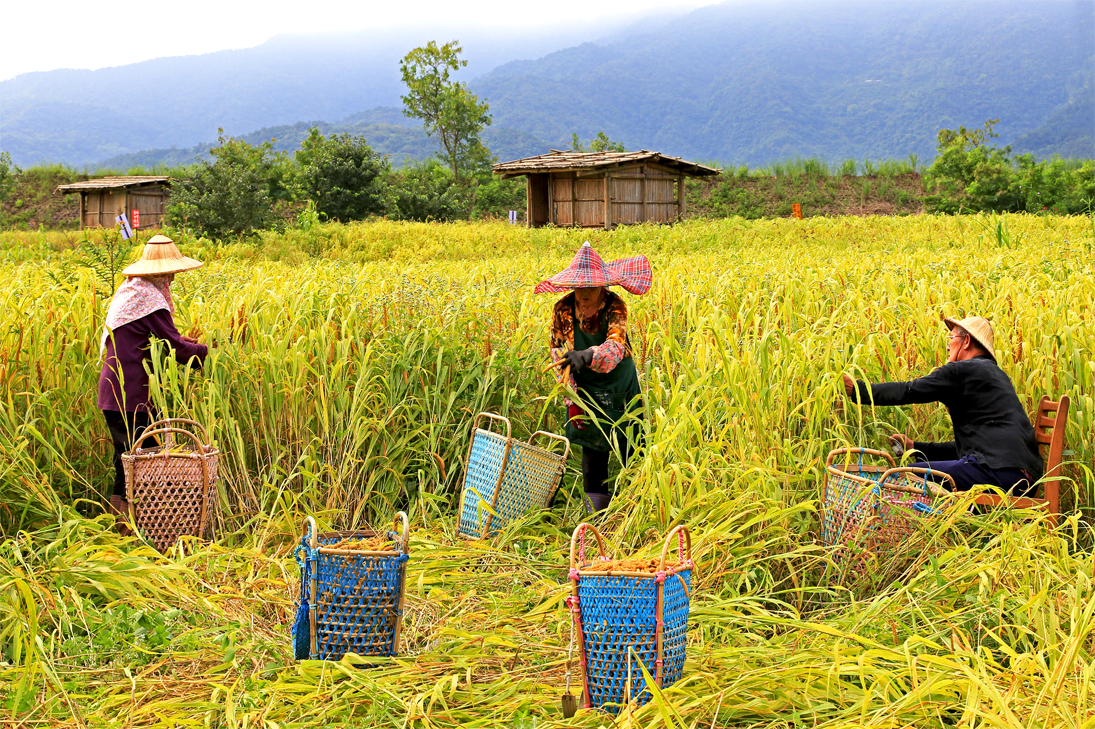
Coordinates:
[342,175]
[600,143]
[233,195]
[106,254]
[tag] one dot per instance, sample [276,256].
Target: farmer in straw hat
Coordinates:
[590,346]
[993,439]
[142,308]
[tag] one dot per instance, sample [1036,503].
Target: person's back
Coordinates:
[994,440]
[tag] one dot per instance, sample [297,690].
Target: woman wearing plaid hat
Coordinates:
[589,343]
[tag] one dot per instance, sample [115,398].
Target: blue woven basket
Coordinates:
[504,478]
[873,508]
[354,597]
[622,615]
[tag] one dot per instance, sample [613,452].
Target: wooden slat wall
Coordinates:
[644,193]
[626,195]
[100,208]
[563,200]
[627,198]
[589,207]
[151,206]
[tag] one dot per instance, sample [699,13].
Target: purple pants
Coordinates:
[967,472]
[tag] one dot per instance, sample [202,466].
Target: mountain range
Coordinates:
[737,83]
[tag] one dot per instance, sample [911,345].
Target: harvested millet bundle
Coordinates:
[368,544]
[648,565]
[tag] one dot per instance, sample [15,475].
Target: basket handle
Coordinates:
[405,535]
[861,452]
[566,441]
[310,530]
[172,423]
[492,416]
[577,552]
[684,545]
[148,433]
[929,488]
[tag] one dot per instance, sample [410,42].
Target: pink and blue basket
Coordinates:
[874,509]
[351,601]
[505,477]
[623,618]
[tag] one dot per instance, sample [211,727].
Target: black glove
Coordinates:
[579,359]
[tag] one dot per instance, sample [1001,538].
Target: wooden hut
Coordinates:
[140,197]
[603,189]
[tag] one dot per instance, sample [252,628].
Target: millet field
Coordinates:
[350,363]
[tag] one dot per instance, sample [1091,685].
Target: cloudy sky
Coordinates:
[70,34]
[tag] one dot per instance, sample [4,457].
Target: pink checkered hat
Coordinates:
[588,269]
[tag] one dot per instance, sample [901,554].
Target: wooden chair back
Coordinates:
[1049,431]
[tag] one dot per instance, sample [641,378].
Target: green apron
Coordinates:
[610,395]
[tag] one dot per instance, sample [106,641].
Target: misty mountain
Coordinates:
[752,83]
[82,117]
[387,130]
[741,82]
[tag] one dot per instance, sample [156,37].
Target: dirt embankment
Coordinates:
[33,201]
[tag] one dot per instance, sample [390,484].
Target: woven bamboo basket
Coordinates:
[170,486]
[622,618]
[872,508]
[353,598]
[505,477]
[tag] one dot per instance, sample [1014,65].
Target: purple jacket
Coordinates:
[125,354]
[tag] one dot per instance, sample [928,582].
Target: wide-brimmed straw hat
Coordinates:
[588,269]
[978,327]
[160,256]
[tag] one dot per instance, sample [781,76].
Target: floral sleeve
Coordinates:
[562,338]
[606,356]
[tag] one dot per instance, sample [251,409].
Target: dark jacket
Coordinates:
[123,381]
[989,421]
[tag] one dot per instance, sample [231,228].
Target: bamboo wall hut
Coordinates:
[603,189]
[104,199]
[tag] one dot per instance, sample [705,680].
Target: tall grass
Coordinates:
[350,362]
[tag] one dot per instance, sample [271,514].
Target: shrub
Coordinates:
[342,175]
[425,191]
[233,195]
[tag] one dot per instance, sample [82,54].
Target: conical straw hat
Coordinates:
[978,327]
[160,256]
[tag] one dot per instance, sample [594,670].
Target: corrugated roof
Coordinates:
[113,183]
[557,161]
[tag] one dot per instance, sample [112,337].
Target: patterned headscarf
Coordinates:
[137,296]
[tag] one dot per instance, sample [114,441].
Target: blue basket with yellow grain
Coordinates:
[505,477]
[872,508]
[352,588]
[628,612]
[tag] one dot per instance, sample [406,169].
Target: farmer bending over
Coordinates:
[993,439]
[590,345]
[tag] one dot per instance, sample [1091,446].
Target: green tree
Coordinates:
[233,195]
[600,143]
[342,175]
[9,174]
[447,109]
[969,174]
